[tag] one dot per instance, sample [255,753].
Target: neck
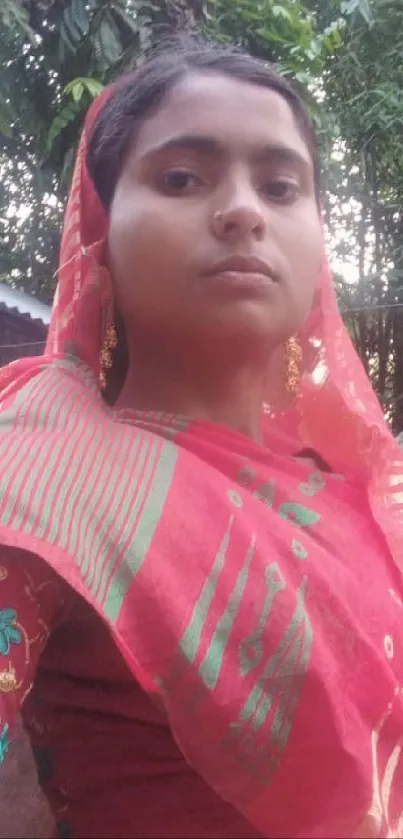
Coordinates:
[216,391]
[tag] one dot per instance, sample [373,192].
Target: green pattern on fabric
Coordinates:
[314,484]
[9,632]
[251,648]
[191,638]
[290,660]
[4,742]
[298,550]
[152,502]
[211,665]
[298,514]
[118,496]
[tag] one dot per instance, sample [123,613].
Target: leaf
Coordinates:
[63,119]
[363,7]
[80,15]
[303,78]
[93,86]
[132,23]
[6,119]
[71,25]
[333,34]
[366,11]
[281,11]
[110,42]
[65,40]
[14,15]
[76,88]
[314,49]
[68,164]
[269,35]
[349,7]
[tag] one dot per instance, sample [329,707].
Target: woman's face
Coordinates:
[215,233]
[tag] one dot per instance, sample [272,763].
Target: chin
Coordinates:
[242,329]
[252,319]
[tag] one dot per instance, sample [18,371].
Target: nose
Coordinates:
[242,218]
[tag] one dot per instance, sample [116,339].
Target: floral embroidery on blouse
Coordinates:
[9,632]
[4,740]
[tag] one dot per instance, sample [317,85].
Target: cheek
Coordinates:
[139,247]
[145,236]
[149,259]
[306,255]
[305,261]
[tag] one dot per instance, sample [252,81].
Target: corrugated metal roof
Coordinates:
[14,300]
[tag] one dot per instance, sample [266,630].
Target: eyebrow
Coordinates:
[210,147]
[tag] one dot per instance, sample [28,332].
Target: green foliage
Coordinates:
[363,85]
[285,33]
[13,16]
[77,89]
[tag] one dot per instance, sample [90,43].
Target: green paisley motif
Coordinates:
[298,550]
[298,514]
[266,493]
[314,484]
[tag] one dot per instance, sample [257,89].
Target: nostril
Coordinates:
[230,226]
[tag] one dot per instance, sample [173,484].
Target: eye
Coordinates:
[179,181]
[282,191]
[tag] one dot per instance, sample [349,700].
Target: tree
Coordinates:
[56,55]
[363,85]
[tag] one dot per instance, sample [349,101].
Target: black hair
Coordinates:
[138,93]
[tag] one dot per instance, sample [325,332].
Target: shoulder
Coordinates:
[49,395]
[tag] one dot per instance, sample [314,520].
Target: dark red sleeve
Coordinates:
[31,603]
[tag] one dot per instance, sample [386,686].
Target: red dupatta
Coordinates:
[144,516]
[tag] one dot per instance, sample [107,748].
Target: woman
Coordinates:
[202,580]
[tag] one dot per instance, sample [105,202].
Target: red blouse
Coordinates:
[105,755]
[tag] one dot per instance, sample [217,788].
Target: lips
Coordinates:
[247,265]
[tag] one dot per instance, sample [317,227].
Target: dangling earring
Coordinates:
[106,355]
[293,365]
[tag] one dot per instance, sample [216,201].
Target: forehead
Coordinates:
[239,114]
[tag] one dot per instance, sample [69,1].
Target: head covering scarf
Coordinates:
[95,493]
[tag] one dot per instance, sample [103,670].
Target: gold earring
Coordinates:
[293,365]
[106,354]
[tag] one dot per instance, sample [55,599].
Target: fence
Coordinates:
[20,336]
